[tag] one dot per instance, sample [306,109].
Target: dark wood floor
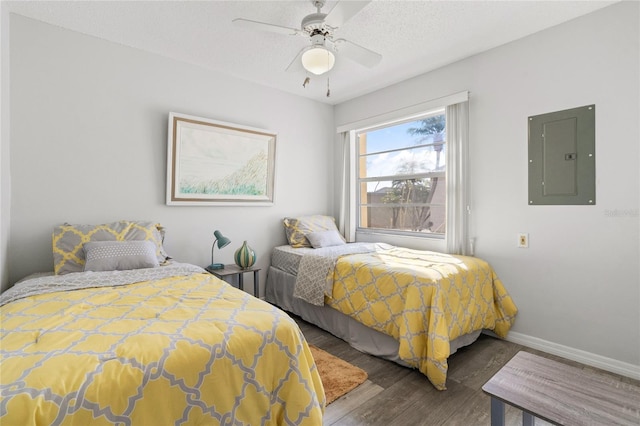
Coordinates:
[394,395]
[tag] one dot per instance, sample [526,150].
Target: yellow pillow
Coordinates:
[69,240]
[297,228]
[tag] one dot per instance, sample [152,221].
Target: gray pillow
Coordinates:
[68,253]
[325,239]
[119,255]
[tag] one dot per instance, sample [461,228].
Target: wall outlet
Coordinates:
[523,240]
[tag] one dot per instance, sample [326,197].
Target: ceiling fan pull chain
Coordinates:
[306,81]
[328,89]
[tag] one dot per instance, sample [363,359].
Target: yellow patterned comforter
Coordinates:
[423,299]
[171,350]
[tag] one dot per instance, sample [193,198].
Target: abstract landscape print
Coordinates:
[216,162]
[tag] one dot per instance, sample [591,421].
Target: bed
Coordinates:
[165,344]
[409,306]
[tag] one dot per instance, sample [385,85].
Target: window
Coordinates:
[404,182]
[401,176]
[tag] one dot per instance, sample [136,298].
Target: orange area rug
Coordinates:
[338,376]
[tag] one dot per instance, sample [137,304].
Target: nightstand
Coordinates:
[235,270]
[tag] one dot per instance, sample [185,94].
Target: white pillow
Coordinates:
[297,228]
[325,239]
[119,255]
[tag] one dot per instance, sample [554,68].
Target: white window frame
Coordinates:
[457,236]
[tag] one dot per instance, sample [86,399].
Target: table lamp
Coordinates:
[221,241]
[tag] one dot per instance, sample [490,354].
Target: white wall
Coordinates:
[5,183]
[577,286]
[89,141]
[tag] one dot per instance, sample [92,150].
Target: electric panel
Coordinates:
[562,157]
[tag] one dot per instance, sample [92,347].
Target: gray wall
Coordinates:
[5,183]
[577,285]
[89,142]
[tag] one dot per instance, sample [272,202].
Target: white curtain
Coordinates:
[458,209]
[347,221]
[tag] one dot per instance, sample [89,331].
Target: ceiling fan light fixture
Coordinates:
[318,60]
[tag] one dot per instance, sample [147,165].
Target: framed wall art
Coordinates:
[216,163]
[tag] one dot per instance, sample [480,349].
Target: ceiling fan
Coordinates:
[318,58]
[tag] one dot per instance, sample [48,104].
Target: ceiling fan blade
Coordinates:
[263,26]
[296,64]
[343,11]
[357,53]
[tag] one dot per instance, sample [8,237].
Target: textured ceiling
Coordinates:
[413,36]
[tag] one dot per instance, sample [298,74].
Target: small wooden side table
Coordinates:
[234,270]
[561,394]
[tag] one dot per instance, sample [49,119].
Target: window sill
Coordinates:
[433,243]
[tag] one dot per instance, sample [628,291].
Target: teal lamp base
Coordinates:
[221,241]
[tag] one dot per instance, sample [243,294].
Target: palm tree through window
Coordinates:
[401,176]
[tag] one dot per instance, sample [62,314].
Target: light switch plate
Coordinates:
[523,240]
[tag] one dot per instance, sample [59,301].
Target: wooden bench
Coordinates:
[561,394]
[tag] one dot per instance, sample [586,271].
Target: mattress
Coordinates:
[165,345]
[287,258]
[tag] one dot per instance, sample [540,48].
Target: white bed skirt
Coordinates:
[279,291]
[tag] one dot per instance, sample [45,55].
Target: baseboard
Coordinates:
[584,357]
